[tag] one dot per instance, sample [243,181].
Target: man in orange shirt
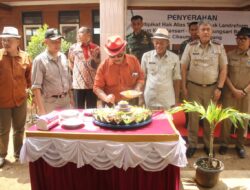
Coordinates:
[15,78]
[119,72]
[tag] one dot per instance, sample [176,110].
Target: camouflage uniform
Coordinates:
[139,44]
[183,45]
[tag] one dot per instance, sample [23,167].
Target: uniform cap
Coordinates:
[53,34]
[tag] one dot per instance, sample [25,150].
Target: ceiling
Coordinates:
[144,3]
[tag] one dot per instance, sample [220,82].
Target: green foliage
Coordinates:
[36,45]
[214,114]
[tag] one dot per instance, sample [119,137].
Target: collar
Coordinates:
[18,54]
[125,62]
[51,57]
[240,52]
[156,55]
[208,44]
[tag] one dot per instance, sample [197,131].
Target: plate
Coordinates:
[131,93]
[89,112]
[71,123]
[67,114]
[122,127]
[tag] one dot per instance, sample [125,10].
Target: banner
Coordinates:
[225,23]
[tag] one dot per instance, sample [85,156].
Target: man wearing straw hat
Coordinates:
[162,73]
[119,72]
[15,78]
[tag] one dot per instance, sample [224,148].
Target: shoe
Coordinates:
[2,162]
[206,150]
[241,152]
[223,150]
[190,152]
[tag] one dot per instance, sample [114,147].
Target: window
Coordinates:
[32,17]
[96,26]
[69,24]
[69,31]
[31,22]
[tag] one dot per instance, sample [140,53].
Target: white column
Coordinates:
[112,20]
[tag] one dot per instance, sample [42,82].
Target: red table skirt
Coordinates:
[69,177]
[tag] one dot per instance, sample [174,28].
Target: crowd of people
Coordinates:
[202,72]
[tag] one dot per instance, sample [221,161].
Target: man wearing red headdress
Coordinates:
[119,72]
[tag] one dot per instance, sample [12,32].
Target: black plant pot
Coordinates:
[206,176]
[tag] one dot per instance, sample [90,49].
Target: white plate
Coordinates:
[131,93]
[72,123]
[66,114]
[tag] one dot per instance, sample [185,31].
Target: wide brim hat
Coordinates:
[161,33]
[115,45]
[53,34]
[244,31]
[10,32]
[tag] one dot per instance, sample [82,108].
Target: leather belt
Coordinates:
[203,85]
[63,95]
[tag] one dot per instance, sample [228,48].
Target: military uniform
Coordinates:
[139,44]
[238,73]
[202,75]
[183,45]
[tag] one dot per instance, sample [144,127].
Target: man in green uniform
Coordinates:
[236,93]
[204,71]
[193,31]
[139,41]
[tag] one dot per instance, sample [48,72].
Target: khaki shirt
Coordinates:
[51,75]
[160,73]
[239,68]
[204,63]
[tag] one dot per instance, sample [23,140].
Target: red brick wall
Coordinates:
[50,14]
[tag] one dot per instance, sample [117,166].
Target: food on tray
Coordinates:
[123,106]
[131,93]
[122,114]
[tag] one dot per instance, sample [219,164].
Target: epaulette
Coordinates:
[195,42]
[216,42]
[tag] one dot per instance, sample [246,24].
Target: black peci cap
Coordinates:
[244,31]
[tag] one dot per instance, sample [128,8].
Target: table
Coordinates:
[96,158]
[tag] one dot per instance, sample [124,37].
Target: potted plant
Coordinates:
[208,169]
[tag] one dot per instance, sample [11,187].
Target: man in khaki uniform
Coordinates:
[204,70]
[236,93]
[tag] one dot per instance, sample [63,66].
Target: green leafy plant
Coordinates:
[36,45]
[214,114]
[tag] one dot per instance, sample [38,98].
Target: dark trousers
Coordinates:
[85,98]
[16,118]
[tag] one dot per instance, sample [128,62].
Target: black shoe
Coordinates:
[223,150]
[241,152]
[206,150]
[190,152]
[2,162]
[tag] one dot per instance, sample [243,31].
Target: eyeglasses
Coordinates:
[242,38]
[118,55]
